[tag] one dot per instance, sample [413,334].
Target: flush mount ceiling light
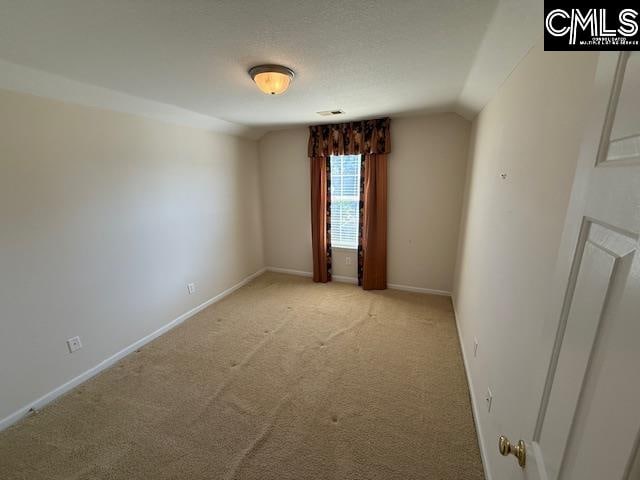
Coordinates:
[272,79]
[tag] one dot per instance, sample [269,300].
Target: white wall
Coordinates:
[426,181]
[105,217]
[531,130]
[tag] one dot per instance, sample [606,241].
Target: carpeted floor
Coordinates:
[284,379]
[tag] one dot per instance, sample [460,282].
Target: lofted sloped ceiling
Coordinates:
[186,60]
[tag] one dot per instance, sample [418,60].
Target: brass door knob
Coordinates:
[519,450]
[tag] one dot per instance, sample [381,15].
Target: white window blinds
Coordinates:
[345,200]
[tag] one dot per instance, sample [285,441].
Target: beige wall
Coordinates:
[426,184]
[426,180]
[105,217]
[286,197]
[512,228]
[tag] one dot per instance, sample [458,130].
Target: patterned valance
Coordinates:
[352,138]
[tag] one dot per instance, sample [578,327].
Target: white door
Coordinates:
[589,422]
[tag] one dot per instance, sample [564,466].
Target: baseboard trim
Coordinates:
[344,279]
[474,403]
[354,280]
[289,271]
[93,371]
[408,288]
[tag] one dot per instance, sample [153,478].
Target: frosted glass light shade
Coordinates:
[272,79]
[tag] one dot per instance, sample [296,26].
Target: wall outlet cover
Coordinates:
[191,287]
[74,344]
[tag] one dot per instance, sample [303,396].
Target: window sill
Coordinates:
[349,249]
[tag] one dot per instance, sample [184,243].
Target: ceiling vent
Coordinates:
[329,113]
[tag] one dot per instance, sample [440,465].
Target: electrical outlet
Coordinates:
[74,344]
[475,347]
[191,287]
[489,400]
[347,260]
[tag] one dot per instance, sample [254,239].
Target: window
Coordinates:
[345,200]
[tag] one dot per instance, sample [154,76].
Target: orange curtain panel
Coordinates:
[321,218]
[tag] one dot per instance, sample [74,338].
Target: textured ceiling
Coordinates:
[366,57]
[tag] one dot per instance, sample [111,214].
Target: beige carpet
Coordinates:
[284,379]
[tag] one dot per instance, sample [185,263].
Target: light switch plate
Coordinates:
[191,287]
[489,400]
